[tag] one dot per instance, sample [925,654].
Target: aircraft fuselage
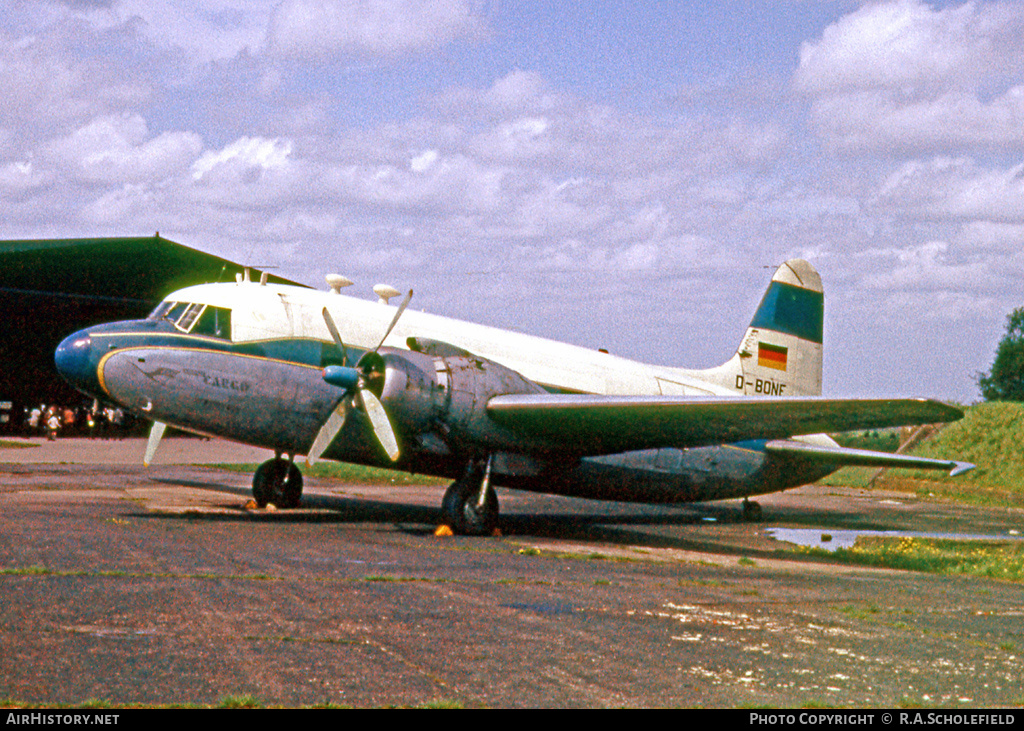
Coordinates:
[248,366]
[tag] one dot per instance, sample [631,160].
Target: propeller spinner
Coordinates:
[355,382]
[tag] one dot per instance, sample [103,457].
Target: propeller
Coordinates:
[155,435]
[356,383]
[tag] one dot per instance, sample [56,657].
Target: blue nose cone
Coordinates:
[76,364]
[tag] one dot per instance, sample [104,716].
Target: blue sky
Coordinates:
[614,174]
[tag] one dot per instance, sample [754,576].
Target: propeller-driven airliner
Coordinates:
[328,376]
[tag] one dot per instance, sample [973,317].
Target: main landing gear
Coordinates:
[279,482]
[470,506]
[752,511]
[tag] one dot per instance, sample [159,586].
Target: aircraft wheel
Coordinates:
[277,481]
[752,512]
[459,510]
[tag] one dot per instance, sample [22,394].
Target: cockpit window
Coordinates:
[195,318]
[189,316]
[168,311]
[161,311]
[175,312]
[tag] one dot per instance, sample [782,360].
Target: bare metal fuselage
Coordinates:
[271,393]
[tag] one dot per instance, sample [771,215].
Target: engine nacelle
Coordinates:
[441,399]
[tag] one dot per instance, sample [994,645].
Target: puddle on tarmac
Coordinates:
[831,539]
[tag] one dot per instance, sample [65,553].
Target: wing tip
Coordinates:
[960,468]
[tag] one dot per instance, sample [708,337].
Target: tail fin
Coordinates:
[780,354]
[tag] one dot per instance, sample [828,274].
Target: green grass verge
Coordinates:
[991,560]
[354,473]
[990,436]
[8,444]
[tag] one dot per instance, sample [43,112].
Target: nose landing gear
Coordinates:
[277,481]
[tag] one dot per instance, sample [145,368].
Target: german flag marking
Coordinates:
[772,356]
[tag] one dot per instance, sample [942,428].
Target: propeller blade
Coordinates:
[334,424]
[352,379]
[381,425]
[394,320]
[155,435]
[333,330]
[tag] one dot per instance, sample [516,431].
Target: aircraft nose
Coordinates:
[75,363]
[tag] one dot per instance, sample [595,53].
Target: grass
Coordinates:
[8,444]
[884,440]
[37,570]
[989,436]
[390,578]
[859,612]
[239,701]
[355,474]
[993,560]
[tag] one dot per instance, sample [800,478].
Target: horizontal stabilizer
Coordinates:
[862,457]
[593,424]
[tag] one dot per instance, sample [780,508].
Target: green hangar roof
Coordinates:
[144,268]
[50,288]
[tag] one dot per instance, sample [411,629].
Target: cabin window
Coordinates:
[215,322]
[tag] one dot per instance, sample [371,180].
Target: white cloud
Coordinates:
[47,86]
[300,223]
[20,177]
[204,30]
[518,139]
[117,205]
[607,261]
[325,28]
[921,267]
[908,43]
[115,150]
[243,158]
[955,188]
[423,162]
[955,307]
[903,75]
[994,236]
[879,120]
[519,91]
[449,185]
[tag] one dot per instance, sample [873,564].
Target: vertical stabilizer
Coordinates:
[780,354]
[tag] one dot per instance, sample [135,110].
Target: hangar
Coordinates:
[51,287]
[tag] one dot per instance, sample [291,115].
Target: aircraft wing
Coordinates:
[862,457]
[593,425]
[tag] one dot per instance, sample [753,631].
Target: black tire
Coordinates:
[459,511]
[277,481]
[752,512]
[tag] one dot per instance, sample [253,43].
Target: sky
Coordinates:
[613,174]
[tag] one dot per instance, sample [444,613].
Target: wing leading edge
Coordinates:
[590,425]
